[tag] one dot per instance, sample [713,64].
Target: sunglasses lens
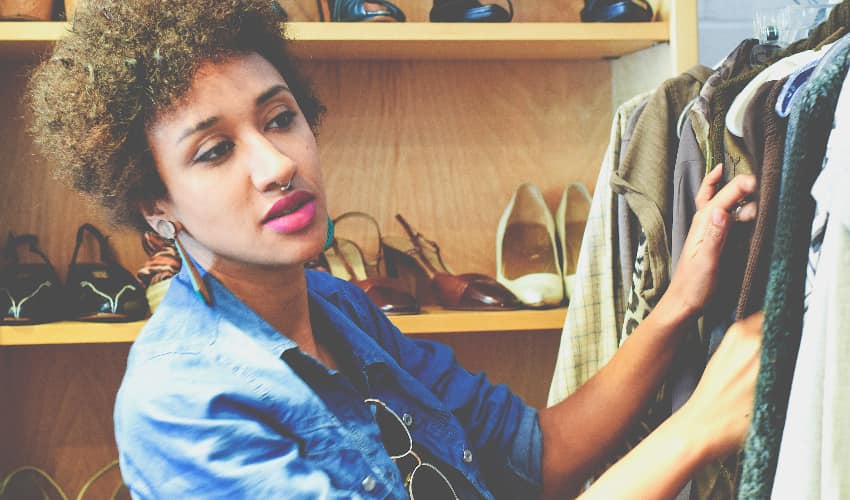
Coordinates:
[393,432]
[429,483]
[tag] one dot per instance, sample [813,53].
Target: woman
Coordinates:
[256,379]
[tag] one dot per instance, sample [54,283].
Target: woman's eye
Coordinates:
[214,153]
[282,120]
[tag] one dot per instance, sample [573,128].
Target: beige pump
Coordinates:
[526,252]
[570,221]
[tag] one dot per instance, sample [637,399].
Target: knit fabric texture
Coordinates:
[751,298]
[809,126]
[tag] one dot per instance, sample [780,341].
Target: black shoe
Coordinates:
[469,11]
[103,291]
[29,293]
[610,11]
[356,10]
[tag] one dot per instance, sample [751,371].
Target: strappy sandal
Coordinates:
[29,293]
[103,291]
[609,11]
[359,10]
[470,291]
[346,260]
[470,11]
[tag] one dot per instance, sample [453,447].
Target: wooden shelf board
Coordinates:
[437,320]
[413,41]
[69,332]
[433,320]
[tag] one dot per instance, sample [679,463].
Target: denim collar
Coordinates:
[329,322]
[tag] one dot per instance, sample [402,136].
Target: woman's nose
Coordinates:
[270,166]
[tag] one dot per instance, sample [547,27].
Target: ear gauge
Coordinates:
[168,230]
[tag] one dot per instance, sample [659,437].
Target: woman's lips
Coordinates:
[292,213]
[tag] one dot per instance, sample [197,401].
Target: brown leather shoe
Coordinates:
[453,291]
[346,260]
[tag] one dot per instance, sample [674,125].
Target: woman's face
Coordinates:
[224,151]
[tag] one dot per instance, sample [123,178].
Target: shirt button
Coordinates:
[407,418]
[467,456]
[369,484]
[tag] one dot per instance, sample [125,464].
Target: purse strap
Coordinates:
[11,250]
[102,240]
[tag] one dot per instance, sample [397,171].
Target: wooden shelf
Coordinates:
[433,320]
[413,41]
[69,332]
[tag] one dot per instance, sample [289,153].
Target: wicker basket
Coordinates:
[26,10]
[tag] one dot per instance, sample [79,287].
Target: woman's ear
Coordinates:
[154,211]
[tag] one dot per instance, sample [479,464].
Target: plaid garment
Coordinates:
[591,330]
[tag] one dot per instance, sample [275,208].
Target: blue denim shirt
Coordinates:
[208,408]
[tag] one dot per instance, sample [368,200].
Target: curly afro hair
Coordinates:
[122,63]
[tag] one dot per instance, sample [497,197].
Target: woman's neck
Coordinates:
[279,296]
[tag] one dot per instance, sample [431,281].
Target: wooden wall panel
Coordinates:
[59,409]
[6,431]
[446,144]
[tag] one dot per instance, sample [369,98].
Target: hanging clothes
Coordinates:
[589,337]
[644,179]
[808,130]
[767,149]
[813,461]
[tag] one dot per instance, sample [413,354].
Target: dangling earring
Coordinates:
[168,230]
[329,238]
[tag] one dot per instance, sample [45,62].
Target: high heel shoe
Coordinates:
[464,291]
[359,10]
[526,256]
[345,260]
[570,231]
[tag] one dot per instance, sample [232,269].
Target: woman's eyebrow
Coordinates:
[209,122]
[273,91]
[205,124]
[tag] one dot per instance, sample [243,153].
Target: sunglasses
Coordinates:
[425,481]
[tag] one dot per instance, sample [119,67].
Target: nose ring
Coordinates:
[286,187]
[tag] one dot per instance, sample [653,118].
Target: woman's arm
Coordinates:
[581,431]
[710,425]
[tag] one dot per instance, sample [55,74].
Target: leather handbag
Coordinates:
[103,291]
[29,293]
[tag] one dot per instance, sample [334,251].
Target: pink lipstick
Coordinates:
[291,213]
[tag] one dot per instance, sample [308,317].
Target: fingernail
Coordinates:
[718,217]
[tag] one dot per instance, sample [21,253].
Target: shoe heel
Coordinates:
[404,268]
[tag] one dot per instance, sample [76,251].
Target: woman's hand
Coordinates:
[720,409]
[712,424]
[695,275]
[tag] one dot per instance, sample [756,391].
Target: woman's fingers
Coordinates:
[735,191]
[707,187]
[746,212]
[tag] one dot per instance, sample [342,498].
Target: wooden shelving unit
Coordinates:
[413,41]
[432,320]
[439,122]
